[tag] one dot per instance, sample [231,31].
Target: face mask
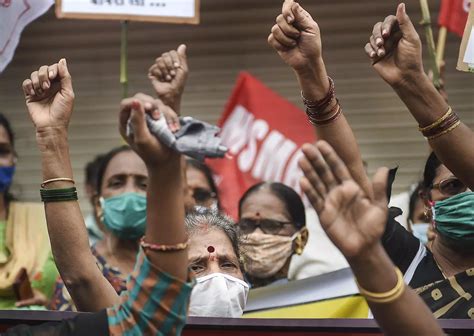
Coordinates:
[454,217]
[125,215]
[6,177]
[266,254]
[218,295]
[420,231]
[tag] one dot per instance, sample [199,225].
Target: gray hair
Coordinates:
[201,217]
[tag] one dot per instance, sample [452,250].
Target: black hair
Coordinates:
[103,164]
[11,137]
[290,198]
[431,166]
[6,124]
[203,168]
[92,170]
[414,197]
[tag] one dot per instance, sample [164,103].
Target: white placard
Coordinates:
[173,11]
[469,53]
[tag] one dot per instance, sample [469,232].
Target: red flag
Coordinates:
[453,15]
[263,132]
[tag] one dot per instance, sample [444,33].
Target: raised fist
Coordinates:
[395,49]
[49,96]
[168,75]
[296,37]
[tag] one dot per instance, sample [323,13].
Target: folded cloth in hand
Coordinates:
[195,138]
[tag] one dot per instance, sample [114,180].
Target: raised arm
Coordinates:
[165,203]
[50,98]
[355,223]
[297,39]
[395,49]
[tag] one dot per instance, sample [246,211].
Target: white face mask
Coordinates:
[218,295]
[420,231]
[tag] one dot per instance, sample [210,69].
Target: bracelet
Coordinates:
[319,122]
[437,122]
[447,123]
[56,180]
[444,131]
[162,247]
[58,195]
[388,296]
[319,105]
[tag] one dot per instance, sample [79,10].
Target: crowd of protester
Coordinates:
[158,247]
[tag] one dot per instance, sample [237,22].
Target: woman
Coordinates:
[24,242]
[120,206]
[201,184]
[215,260]
[272,221]
[299,45]
[418,223]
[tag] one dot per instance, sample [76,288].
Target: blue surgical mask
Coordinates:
[420,231]
[6,177]
[125,215]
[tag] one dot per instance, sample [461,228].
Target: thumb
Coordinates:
[64,76]
[302,18]
[379,186]
[183,58]
[406,26]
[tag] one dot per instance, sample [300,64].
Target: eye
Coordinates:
[228,265]
[196,268]
[143,184]
[115,183]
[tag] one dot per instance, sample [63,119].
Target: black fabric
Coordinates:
[402,247]
[94,324]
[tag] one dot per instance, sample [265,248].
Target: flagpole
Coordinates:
[123,58]
[426,23]
[443,32]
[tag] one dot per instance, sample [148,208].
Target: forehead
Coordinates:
[127,162]
[265,203]
[205,237]
[442,173]
[196,178]
[4,138]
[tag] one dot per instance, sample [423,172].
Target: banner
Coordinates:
[168,11]
[466,50]
[15,15]
[263,132]
[453,15]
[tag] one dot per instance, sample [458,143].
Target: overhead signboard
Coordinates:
[168,11]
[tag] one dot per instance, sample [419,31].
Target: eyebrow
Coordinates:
[220,257]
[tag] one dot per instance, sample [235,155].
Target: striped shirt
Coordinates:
[154,303]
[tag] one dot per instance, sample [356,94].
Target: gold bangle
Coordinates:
[437,122]
[388,296]
[445,131]
[67,179]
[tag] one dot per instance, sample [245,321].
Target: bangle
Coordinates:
[388,296]
[456,124]
[322,102]
[58,195]
[447,123]
[437,122]
[320,122]
[56,180]
[163,248]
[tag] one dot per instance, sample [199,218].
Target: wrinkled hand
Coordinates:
[49,96]
[395,49]
[296,37]
[145,144]
[352,221]
[168,75]
[38,299]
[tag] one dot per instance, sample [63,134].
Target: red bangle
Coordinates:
[163,247]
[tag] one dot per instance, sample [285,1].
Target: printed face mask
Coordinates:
[125,215]
[218,295]
[454,217]
[266,254]
[6,177]
[420,231]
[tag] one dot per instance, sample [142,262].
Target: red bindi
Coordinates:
[211,249]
